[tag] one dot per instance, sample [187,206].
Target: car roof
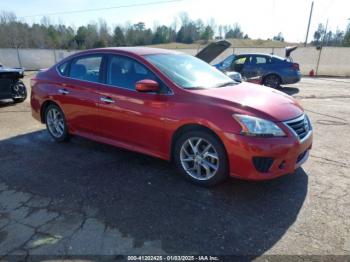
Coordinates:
[141,51]
[262,54]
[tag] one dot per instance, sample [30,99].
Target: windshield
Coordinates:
[227,62]
[188,71]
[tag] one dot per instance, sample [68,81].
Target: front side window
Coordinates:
[188,71]
[240,61]
[86,68]
[124,72]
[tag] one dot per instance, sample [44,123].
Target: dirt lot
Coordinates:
[85,198]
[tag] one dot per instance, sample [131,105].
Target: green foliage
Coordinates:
[208,34]
[329,38]
[18,34]
[278,37]
[233,32]
[346,40]
[319,33]
[118,37]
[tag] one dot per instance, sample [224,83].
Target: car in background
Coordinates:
[175,107]
[212,51]
[271,69]
[11,87]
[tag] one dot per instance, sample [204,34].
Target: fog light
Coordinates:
[282,165]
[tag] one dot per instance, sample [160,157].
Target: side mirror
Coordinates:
[147,85]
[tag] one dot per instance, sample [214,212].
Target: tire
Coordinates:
[183,152]
[272,80]
[56,123]
[20,92]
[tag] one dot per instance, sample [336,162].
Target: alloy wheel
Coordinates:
[199,158]
[272,81]
[55,122]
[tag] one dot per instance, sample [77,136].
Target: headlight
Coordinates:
[254,126]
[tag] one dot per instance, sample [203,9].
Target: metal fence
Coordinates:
[329,61]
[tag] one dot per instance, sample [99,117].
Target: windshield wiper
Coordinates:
[227,84]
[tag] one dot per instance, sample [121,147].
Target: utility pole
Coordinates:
[321,47]
[308,26]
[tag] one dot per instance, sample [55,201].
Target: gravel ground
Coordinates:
[85,198]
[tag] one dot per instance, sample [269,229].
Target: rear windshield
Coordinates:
[279,58]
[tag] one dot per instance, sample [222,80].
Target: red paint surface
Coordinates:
[146,123]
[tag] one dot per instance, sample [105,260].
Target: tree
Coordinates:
[233,32]
[319,33]
[118,37]
[278,37]
[104,38]
[163,34]
[346,41]
[188,34]
[208,33]
[81,36]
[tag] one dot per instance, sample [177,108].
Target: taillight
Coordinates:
[295,66]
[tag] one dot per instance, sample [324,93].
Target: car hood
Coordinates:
[258,100]
[213,50]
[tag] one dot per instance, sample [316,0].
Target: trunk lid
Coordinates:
[289,50]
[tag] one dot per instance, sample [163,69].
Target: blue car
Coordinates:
[273,70]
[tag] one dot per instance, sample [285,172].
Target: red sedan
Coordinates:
[176,107]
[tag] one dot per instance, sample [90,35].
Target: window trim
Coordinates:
[65,71]
[104,71]
[108,57]
[101,71]
[267,59]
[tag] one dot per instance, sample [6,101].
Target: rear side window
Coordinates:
[263,60]
[62,69]
[86,68]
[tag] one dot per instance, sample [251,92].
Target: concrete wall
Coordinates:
[32,59]
[333,61]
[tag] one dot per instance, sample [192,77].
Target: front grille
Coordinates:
[300,126]
[262,164]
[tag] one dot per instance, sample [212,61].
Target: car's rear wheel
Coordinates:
[201,157]
[273,81]
[56,123]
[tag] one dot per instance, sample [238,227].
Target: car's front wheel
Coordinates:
[201,157]
[56,123]
[19,92]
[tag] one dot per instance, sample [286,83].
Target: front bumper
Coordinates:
[288,153]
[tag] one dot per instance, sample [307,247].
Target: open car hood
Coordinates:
[289,50]
[213,50]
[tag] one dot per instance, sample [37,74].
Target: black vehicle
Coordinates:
[11,87]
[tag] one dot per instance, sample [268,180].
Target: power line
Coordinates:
[104,8]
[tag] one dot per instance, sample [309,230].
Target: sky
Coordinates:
[258,18]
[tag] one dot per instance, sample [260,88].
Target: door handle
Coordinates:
[107,100]
[63,91]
